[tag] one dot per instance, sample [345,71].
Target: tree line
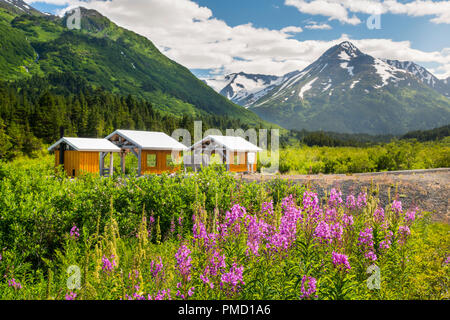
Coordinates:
[32,112]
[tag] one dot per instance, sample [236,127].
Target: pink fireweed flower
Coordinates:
[231,281]
[289,220]
[74,232]
[108,265]
[403,232]
[447,261]
[71,296]
[347,220]
[396,207]
[335,199]
[351,202]
[310,201]
[336,231]
[267,209]
[237,212]
[161,295]
[378,215]
[14,284]
[362,200]
[410,216]
[340,261]
[323,232]
[308,287]
[385,244]
[365,241]
[183,264]
[156,269]
[150,227]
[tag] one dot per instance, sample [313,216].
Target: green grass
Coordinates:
[397,155]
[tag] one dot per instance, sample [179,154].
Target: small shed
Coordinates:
[238,154]
[156,151]
[83,155]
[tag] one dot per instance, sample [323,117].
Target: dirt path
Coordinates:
[427,189]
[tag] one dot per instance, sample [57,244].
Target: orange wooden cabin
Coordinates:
[156,151]
[83,155]
[238,154]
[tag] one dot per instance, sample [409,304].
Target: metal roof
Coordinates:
[149,140]
[231,143]
[87,144]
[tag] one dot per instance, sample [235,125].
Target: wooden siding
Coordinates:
[77,162]
[242,166]
[160,162]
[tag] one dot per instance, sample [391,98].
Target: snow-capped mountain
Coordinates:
[346,90]
[423,75]
[19,7]
[243,88]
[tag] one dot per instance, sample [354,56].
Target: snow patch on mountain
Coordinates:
[306,87]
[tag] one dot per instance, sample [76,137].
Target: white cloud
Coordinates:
[312,25]
[341,9]
[192,36]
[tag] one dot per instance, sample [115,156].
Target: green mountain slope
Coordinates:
[109,57]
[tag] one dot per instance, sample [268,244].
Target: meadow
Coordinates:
[209,236]
[396,155]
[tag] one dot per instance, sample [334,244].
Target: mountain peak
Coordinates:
[343,51]
[19,7]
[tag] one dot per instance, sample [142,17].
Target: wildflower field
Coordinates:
[209,236]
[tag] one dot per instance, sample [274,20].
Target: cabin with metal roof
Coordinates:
[83,155]
[156,151]
[238,154]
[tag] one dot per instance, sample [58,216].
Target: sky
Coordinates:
[274,37]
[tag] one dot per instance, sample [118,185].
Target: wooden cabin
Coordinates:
[238,154]
[156,151]
[83,155]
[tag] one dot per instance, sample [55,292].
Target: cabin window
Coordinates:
[151,160]
[169,161]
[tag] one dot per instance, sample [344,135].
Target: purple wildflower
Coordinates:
[15,284]
[108,265]
[397,207]
[351,202]
[323,232]
[362,200]
[308,287]
[404,232]
[378,215]
[71,296]
[231,281]
[184,262]
[340,261]
[335,198]
[74,232]
[156,269]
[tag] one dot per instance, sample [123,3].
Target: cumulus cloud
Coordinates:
[341,9]
[312,25]
[190,34]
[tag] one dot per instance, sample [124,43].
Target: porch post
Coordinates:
[102,161]
[139,162]
[111,165]
[122,161]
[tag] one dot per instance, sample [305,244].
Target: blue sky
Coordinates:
[251,35]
